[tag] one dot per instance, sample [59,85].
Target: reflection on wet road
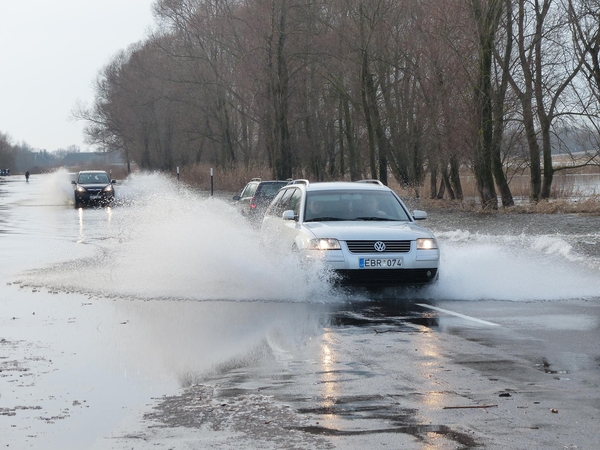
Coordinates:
[388,367]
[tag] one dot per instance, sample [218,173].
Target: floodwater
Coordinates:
[104,309]
[164,241]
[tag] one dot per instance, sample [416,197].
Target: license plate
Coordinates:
[380,263]
[94,197]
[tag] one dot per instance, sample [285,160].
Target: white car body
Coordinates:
[384,248]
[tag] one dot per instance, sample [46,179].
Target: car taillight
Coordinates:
[253,204]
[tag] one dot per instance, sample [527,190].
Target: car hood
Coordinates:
[94,186]
[359,230]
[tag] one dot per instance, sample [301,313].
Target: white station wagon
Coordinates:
[361,230]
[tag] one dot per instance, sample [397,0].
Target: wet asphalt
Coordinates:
[466,365]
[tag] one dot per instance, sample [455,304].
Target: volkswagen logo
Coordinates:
[379,246]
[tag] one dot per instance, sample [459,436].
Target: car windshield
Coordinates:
[92,178]
[353,205]
[270,189]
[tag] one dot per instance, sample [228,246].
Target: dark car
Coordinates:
[93,187]
[256,197]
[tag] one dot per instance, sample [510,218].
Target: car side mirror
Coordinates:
[113,181]
[73,182]
[236,197]
[419,215]
[288,215]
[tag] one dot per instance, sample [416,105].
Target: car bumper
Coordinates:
[418,267]
[94,198]
[386,277]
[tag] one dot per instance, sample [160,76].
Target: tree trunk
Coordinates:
[547,159]
[498,117]
[367,108]
[278,93]
[534,150]
[446,182]
[455,177]
[433,181]
[341,137]
[382,140]
[487,25]
[352,151]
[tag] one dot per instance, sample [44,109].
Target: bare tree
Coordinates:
[487,15]
[547,67]
[584,20]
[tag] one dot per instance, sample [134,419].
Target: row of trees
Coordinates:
[21,157]
[356,88]
[6,151]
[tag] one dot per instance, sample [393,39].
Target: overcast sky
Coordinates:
[50,54]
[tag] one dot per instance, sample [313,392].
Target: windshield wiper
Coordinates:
[323,219]
[376,218]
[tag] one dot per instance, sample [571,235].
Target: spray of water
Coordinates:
[513,267]
[244,301]
[163,240]
[56,190]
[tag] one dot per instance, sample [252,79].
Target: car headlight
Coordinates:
[108,188]
[80,189]
[426,244]
[324,244]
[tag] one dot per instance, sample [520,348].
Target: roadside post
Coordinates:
[177,173]
[211,182]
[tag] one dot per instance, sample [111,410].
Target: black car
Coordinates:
[256,197]
[93,187]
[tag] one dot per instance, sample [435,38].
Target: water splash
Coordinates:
[164,240]
[477,266]
[173,242]
[52,189]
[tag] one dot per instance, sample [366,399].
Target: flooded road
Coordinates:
[163,323]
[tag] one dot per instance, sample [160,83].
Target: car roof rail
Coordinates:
[256,179]
[371,181]
[300,181]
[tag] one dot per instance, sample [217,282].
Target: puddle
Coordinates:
[400,314]
[546,367]
[556,322]
[413,430]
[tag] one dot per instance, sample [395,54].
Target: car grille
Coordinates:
[369,246]
[385,277]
